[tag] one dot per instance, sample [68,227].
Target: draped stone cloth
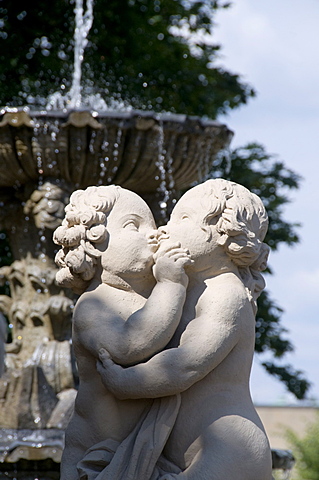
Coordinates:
[139,455]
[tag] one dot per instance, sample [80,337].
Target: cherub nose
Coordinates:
[163,232]
[153,235]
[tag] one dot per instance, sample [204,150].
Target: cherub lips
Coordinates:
[163,237]
[153,244]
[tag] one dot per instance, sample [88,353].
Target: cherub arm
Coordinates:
[146,331]
[205,344]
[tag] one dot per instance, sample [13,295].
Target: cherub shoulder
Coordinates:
[226,291]
[89,309]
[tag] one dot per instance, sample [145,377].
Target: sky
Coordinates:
[274,45]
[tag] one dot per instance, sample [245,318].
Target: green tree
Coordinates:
[306,452]
[132,54]
[138,53]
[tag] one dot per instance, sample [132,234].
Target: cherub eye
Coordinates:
[131,224]
[184,216]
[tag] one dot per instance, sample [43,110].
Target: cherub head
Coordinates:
[106,226]
[219,215]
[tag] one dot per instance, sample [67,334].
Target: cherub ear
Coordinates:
[90,250]
[208,231]
[212,219]
[222,239]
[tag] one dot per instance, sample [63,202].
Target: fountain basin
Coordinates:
[33,445]
[137,150]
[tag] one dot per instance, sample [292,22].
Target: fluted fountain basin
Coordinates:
[137,150]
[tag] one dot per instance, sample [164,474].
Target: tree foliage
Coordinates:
[133,54]
[306,450]
[152,54]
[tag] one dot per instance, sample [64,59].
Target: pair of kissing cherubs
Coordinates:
[164,350]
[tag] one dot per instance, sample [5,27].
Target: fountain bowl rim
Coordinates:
[120,114]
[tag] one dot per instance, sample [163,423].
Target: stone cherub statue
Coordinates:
[108,240]
[212,431]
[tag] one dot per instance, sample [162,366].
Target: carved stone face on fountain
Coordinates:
[187,226]
[132,232]
[37,309]
[107,232]
[210,219]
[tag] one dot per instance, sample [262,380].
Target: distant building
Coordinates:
[277,420]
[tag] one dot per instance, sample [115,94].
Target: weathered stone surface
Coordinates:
[38,359]
[114,147]
[63,411]
[27,399]
[31,445]
[175,307]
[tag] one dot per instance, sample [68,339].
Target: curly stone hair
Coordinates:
[84,226]
[242,224]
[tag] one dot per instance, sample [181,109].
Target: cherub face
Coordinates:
[132,236]
[187,226]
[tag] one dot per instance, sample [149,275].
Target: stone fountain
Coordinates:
[44,156]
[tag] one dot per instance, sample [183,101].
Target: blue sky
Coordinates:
[274,45]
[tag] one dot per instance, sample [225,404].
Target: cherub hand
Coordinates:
[105,358]
[105,366]
[170,261]
[112,375]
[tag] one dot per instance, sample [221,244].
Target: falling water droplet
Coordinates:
[160,163]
